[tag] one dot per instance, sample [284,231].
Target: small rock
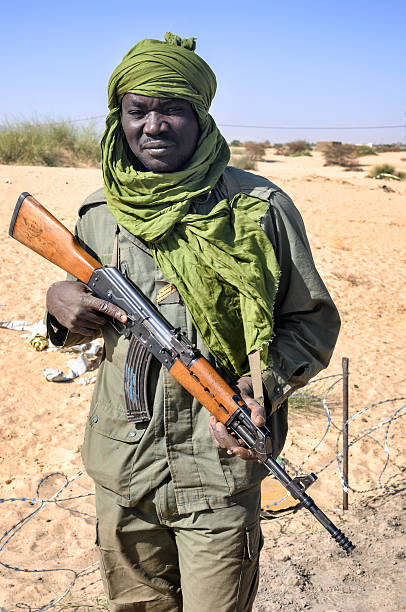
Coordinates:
[7,180]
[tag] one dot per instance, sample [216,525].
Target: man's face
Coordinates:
[161,132]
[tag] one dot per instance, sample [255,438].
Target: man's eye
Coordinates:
[136,113]
[174,110]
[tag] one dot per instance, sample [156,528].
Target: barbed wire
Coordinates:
[56,498]
[12,532]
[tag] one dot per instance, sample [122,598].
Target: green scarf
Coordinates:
[222,263]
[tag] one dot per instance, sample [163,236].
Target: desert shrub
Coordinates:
[365,150]
[337,154]
[234,143]
[256,150]
[383,170]
[296,147]
[244,162]
[49,143]
[305,152]
[279,148]
[394,147]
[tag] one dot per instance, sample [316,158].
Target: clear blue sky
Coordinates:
[295,63]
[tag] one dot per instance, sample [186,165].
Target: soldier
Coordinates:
[224,255]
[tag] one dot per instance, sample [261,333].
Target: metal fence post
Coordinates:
[345,362]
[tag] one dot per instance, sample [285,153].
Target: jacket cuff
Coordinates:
[277,388]
[61,336]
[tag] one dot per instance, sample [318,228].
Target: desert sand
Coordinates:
[356,227]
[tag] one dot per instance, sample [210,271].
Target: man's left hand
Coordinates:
[219,433]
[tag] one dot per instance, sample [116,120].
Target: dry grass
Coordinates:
[49,143]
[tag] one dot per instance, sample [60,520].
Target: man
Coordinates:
[224,255]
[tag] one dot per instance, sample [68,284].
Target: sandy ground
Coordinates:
[356,227]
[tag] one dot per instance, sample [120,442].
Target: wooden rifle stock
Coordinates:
[37,229]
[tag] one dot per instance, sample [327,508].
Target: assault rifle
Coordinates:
[149,332]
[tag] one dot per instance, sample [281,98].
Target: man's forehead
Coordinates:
[133,99]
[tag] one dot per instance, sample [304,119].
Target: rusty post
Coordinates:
[345,363]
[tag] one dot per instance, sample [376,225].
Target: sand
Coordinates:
[356,227]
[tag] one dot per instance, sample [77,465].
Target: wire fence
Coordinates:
[41,501]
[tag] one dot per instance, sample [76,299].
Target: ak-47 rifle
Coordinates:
[150,332]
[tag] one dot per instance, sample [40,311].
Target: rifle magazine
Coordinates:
[136,372]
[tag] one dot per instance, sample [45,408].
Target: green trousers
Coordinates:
[152,558]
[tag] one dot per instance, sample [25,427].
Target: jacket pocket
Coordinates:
[108,448]
[110,421]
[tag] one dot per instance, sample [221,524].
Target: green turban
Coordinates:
[224,254]
[164,69]
[168,69]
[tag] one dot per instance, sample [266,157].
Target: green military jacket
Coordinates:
[129,460]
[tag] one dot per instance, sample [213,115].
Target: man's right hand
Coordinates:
[77,309]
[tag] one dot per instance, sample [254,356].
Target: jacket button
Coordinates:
[94,419]
[132,434]
[278,390]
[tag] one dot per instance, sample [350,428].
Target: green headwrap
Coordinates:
[222,263]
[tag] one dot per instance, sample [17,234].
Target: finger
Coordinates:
[228,442]
[105,308]
[92,317]
[220,435]
[258,413]
[213,438]
[244,386]
[222,439]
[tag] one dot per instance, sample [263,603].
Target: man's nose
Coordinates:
[154,124]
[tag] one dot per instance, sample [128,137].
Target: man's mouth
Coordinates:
[158,145]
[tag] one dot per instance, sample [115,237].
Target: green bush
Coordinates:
[294,148]
[234,143]
[365,150]
[300,153]
[244,162]
[383,170]
[49,143]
